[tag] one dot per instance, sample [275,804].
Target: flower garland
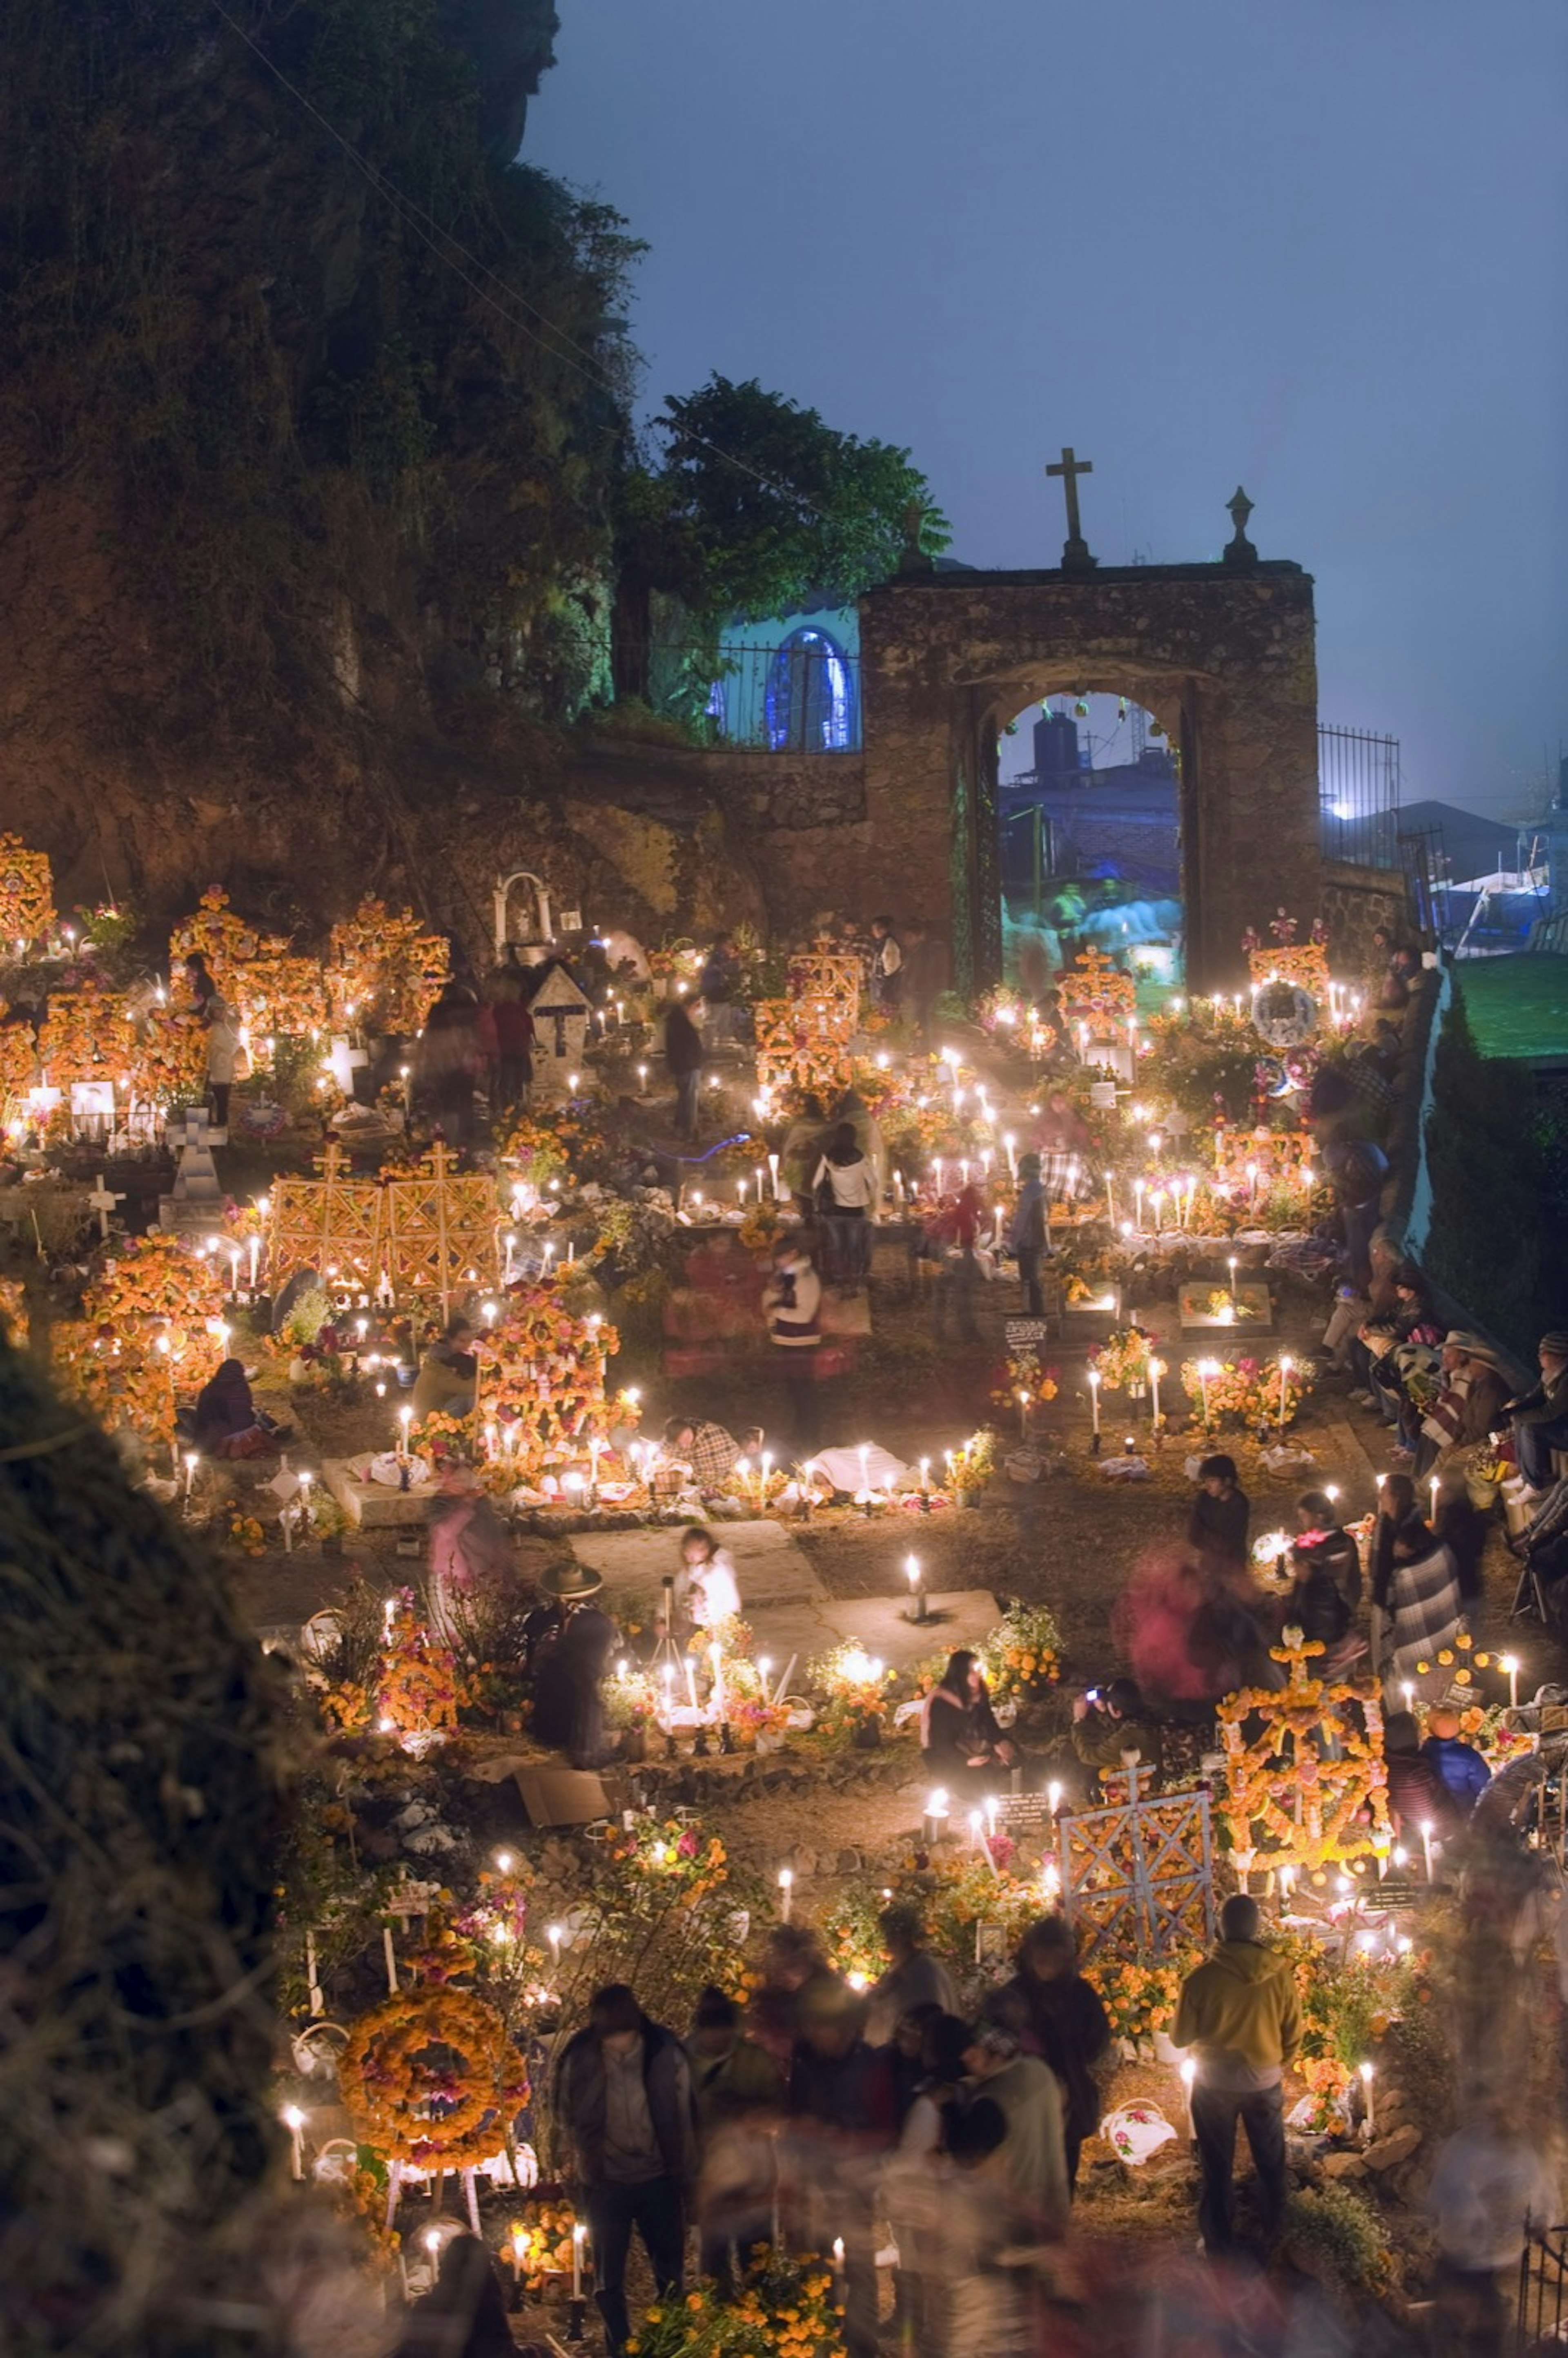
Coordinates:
[26,893]
[430,2077]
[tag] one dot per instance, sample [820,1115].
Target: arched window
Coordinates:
[810,696]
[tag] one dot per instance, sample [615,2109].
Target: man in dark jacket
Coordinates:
[623,2108]
[1222,1512]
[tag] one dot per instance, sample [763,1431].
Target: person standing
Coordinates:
[845,1188]
[922,971]
[792,1306]
[1034,2154]
[843,2121]
[738,2088]
[887,965]
[223,1061]
[514,1046]
[463,2315]
[623,2106]
[1029,1236]
[1060,2018]
[913,1977]
[683,1060]
[448,1063]
[720,984]
[1239,2013]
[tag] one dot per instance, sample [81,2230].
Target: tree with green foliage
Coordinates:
[756,504]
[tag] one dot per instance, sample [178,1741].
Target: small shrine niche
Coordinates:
[523,920]
[562,1012]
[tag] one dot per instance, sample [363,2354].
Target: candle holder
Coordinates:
[577,2317]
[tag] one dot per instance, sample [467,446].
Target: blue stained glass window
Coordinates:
[810,696]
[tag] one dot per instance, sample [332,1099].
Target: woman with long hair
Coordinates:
[961,1743]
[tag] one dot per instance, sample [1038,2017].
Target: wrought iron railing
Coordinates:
[1358,796]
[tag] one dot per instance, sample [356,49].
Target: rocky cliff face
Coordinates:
[306,462]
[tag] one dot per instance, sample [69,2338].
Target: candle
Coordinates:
[1409,1692]
[294,2122]
[1138,1204]
[390,1959]
[1054,1796]
[578,2231]
[691,1682]
[933,1824]
[1094,1398]
[1367,2088]
[936,1168]
[1109,1201]
[1156,1369]
[404,1418]
[1206,1368]
[786,1893]
[979,1842]
[1231,1266]
[1509,1663]
[1435,1482]
[1189,2073]
[774,1175]
[554,1934]
[190,1470]
[1285,1365]
[1426,1834]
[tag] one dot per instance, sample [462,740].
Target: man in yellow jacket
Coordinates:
[1240,2015]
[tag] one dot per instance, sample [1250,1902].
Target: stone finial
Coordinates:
[1239,551]
[913,558]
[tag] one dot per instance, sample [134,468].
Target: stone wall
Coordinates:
[790,791]
[1353,903]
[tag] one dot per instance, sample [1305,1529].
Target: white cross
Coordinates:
[103,1201]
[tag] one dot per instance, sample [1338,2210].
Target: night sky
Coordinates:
[1320,250]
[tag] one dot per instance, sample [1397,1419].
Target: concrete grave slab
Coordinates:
[770,1569]
[371,1505]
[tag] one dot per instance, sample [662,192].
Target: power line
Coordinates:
[416,215]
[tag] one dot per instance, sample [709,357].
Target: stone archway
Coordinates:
[1223,654]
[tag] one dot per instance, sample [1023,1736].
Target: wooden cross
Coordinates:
[103,1201]
[1070,467]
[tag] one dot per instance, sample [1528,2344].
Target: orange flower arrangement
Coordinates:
[86,1034]
[170,1065]
[540,1376]
[417,1686]
[1308,1809]
[19,1061]
[382,969]
[149,1327]
[27,891]
[271,989]
[431,2078]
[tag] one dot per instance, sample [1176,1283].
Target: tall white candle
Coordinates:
[786,1893]
[1094,1398]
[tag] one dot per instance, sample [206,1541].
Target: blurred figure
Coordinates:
[683,1061]
[1060,2018]
[720,984]
[447,1062]
[706,1588]
[737,2088]
[1490,2188]
[464,2314]
[471,1571]
[913,1977]
[1222,1512]
[1323,1542]
[1417,1795]
[514,1043]
[986,2293]
[1415,1587]
[924,971]
[1029,1236]
[887,965]
[623,2108]
[569,1691]
[792,1958]
[843,2121]
[1033,2156]
[1238,2011]
[449,1373]
[1539,1418]
[912,2186]
[792,1306]
[226,1423]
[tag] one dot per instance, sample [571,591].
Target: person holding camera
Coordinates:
[1111,1720]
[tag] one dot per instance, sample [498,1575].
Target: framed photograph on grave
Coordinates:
[990,1948]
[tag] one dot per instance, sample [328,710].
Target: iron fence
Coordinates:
[1540,2312]
[801,696]
[1358,796]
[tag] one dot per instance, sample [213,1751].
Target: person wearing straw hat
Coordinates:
[1540,1417]
[568,1704]
[1468,1404]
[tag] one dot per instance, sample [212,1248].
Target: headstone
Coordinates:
[343,1061]
[103,1200]
[195,1202]
[300,1283]
[1023,1333]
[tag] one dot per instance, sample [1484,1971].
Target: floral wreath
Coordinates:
[389,2079]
